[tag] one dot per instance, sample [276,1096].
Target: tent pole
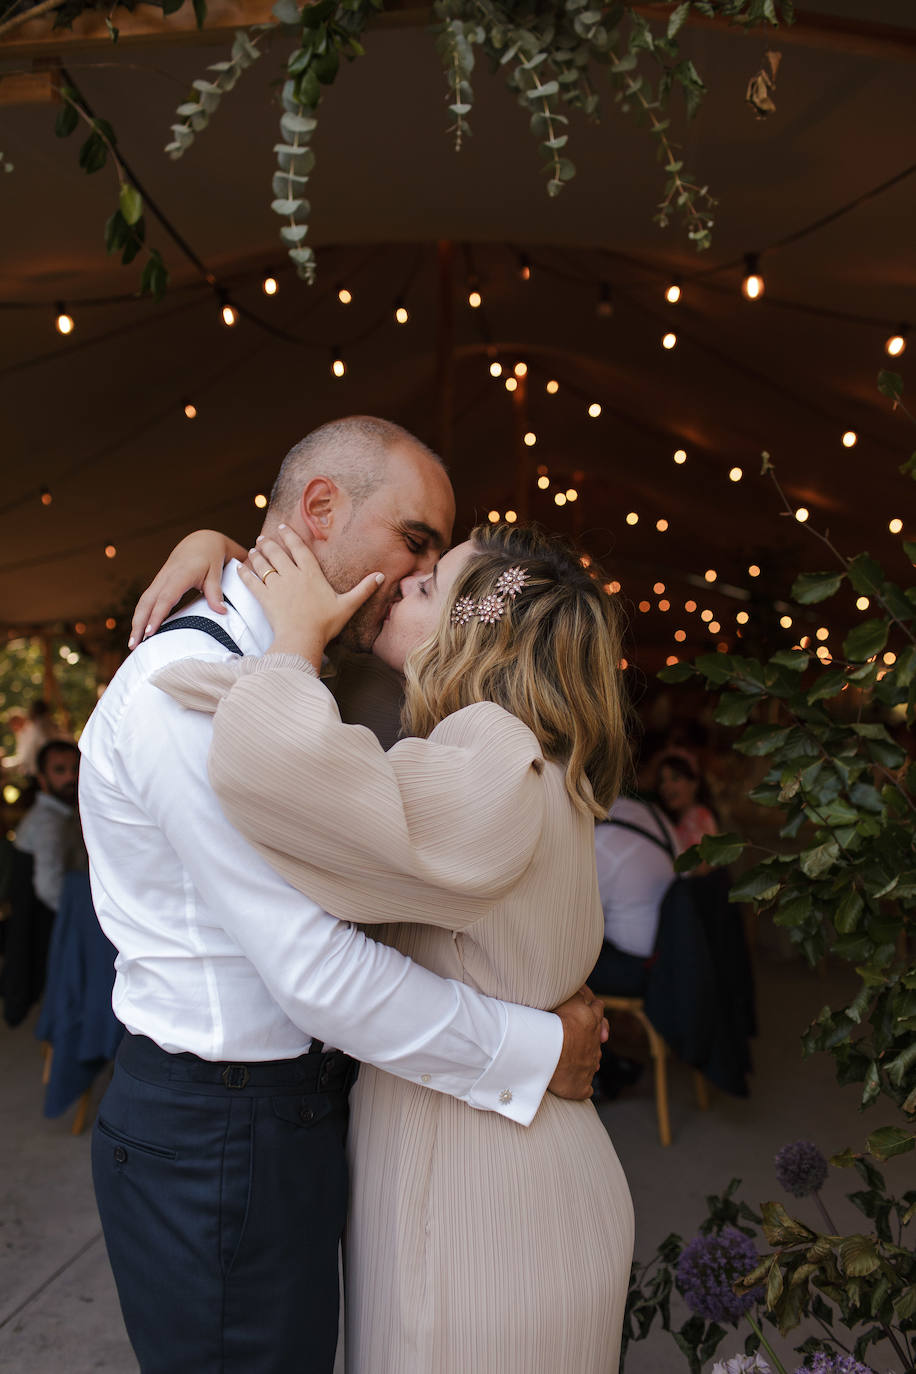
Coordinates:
[445,350]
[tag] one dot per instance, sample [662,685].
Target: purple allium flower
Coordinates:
[801,1168]
[742,1364]
[708,1267]
[821,1363]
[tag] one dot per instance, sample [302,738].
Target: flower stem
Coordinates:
[780,1367]
[825,1214]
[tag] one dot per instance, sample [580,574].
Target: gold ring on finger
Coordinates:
[267,574]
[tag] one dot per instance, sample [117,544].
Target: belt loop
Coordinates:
[235,1075]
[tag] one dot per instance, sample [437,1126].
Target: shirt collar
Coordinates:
[248,608]
[49,803]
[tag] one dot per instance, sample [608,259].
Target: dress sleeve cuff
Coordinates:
[516,1080]
[267,662]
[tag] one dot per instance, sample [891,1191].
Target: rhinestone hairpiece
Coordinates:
[463,610]
[490,608]
[511,582]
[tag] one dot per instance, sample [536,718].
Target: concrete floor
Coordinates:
[58,1309]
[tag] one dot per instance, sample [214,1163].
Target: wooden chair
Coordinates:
[659,1051]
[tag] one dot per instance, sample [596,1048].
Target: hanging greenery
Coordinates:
[556,56]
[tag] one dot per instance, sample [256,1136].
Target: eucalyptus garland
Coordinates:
[554,53]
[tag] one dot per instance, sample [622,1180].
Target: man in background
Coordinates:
[50,830]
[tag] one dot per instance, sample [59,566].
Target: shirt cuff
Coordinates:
[516,1079]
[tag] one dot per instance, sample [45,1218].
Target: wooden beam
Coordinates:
[857,37]
[31,88]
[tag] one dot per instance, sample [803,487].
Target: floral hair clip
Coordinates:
[511,582]
[490,608]
[464,609]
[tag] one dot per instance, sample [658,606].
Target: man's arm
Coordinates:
[329,979]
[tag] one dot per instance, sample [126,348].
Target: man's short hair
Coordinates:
[352,451]
[50,747]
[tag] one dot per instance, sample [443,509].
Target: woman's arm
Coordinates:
[434,831]
[198,561]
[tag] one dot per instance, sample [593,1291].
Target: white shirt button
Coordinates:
[424,1078]
[506,1096]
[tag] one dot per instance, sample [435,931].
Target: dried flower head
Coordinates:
[463,610]
[742,1364]
[490,609]
[511,582]
[801,1168]
[708,1268]
[824,1363]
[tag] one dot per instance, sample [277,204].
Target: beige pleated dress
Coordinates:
[475,1245]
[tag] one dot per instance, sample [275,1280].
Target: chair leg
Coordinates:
[701,1088]
[47,1054]
[660,1058]
[82,1109]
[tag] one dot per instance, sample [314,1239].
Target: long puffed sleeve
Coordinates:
[434,830]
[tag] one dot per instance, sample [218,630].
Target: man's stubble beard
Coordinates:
[362,629]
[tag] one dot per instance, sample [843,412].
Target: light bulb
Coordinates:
[190,410]
[46,497]
[680,456]
[344,296]
[260,500]
[110,623]
[521,369]
[896,344]
[64,322]
[524,267]
[659,588]
[645,606]
[594,410]
[801,515]
[664,604]
[110,551]
[632,518]
[671,660]
[753,286]
[673,293]
[710,574]
[552,387]
[742,617]
[613,588]
[228,314]
[786,622]
[714,627]
[753,571]
[735,475]
[889,658]
[496,369]
[706,615]
[543,483]
[493,516]
[269,286]
[690,607]
[475,300]
[511,384]
[669,341]
[661,525]
[572,494]
[822,632]
[338,366]
[511,517]
[560,498]
[850,438]
[862,603]
[895,526]
[401,314]
[531,438]
[624,665]
[680,636]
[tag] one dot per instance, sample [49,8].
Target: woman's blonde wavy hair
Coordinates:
[552,660]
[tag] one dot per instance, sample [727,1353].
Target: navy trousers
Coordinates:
[222,1190]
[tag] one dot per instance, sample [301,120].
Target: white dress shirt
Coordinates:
[633,876]
[218,956]
[50,832]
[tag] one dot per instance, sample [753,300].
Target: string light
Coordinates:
[645,606]
[895,525]
[862,603]
[669,341]
[45,497]
[80,627]
[661,525]
[664,605]
[742,617]
[560,498]
[63,323]
[680,455]
[401,314]
[889,658]
[613,588]
[624,665]
[680,636]
[572,494]
[632,518]
[671,660]
[690,607]
[823,653]
[493,516]
[605,307]
[524,267]
[706,616]
[511,517]
[822,632]
[710,574]
[496,369]
[659,588]
[850,438]
[753,286]
[190,410]
[269,286]
[786,622]
[110,551]
[673,293]
[801,515]
[753,571]
[896,344]
[714,627]
[111,623]
[531,438]
[260,501]
[338,366]
[521,369]
[735,475]
[543,483]
[511,384]
[594,410]
[344,296]
[804,642]
[475,300]
[552,387]
[228,314]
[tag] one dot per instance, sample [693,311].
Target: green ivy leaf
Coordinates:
[866,574]
[890,384]
[812,587]
[677,672]
[759,740]
[859,1256]
[865,640]
[67,117]
[718,850]
[848,912]
[130,203]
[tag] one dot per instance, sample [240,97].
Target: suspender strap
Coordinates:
[208,627]
[662,839]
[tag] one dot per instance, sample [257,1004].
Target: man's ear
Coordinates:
[320,506]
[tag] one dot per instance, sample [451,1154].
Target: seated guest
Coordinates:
[50,830]
[634,852]
[685,798]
